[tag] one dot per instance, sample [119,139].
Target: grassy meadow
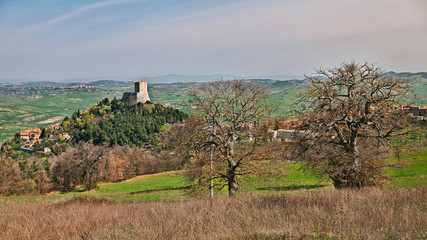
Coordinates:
[392,213]
[411,171]
[298,205]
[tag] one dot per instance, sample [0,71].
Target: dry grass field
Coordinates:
[375,213]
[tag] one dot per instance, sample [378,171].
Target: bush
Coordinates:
[24,187]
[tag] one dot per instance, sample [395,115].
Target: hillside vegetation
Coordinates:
[32,105]
[297,206]
[110,142]
[41,104]
[171,186]
[114,179]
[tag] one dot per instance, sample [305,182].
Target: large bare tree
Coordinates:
[225,137]
[349,122]
[84,165]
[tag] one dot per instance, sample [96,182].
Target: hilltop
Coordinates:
[107,121]
[28,105]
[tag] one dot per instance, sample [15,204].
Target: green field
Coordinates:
[31,107]
[413,171]
[170,186]
[34,105]
[24,109]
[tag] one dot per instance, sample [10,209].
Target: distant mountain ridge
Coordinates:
[175,78]
[168,78]
[111,83]
[408,74]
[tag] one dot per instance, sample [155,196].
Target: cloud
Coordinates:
[238,37]
[76,12]
[271,24]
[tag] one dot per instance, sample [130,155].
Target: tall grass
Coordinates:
[396,213]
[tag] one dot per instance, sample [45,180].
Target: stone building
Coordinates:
[417,112]
[284,135]
[30,134]
[140,94]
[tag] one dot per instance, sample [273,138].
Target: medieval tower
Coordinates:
[140,94]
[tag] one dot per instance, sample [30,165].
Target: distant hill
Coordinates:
[174,78]
[110,83]
[178,78]
[408,74]
[418,83]
[37,84]
[278,77]
[168,78]
[288,83]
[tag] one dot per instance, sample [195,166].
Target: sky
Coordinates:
[72,39]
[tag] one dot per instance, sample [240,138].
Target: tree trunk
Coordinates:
[232,185]
[355,150]
[89,179]
[211,163]
[349,177]
[232,178]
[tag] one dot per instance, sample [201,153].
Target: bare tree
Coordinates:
[81,165]
[349,122]
[225,137]
[7,176]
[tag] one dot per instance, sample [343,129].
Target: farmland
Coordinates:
[43,104]
[30,105]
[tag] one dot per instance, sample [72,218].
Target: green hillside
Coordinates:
[170,186]
[30,105]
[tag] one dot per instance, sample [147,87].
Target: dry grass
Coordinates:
[398,213]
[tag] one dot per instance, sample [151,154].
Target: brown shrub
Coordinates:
[24,187]
[7,176]
[347,214]
[85,200]
[86,165]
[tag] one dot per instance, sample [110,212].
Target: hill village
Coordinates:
[278,131]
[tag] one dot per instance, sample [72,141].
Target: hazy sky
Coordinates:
[63,39]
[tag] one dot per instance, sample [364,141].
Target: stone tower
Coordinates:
[140,94]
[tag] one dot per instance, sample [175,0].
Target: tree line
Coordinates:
[346,130]
[121,124]
[111,141]
[81,166]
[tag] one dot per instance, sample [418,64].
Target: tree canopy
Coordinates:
[225,136]
[349,122]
